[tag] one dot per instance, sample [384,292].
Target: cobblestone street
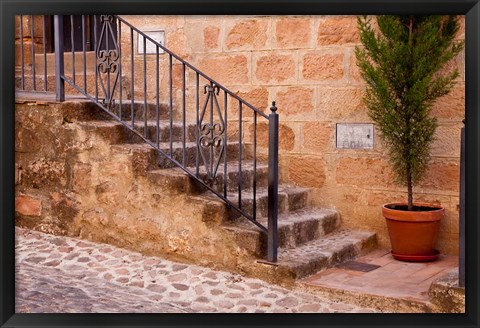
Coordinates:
[60,274]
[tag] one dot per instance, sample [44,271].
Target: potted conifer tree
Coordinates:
[403,62]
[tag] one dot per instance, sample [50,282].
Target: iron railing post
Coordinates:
[59,64]
[461,253]
[272,184]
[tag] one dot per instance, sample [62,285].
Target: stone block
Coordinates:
[43,173]
[319,66]
[307,171]
[447,141]
[380,197]
[64,208]
[317,136]
[293,32]
[341,103]
[295,100]
[247,34]
[210,37]
[28,205]
[364,171]
[442,175]
[257,97]
[176,42]
[234,68]
[338,30]
[81,177]
[275,68]
[451,106]
[286,136]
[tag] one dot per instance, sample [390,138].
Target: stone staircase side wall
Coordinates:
[72,182]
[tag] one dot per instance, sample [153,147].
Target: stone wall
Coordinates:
[76,177]
[307,64]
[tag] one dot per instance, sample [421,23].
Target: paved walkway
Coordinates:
[60,274]
[389,277]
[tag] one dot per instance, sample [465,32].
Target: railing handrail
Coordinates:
[191,66]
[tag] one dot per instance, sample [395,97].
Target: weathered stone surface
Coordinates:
[293,32]
[341,103]
[317,136]
[447,140]
[442,175]
[257,97]
[27,22]
[451,106]
[42,173]
[210,36]
[27,205]
[323,66]
[176,42]
[338,30]
[247,34]
[64,208]
[234,68]
[446,293]
[295,100]
[107,192]
[285,134]
[307,171]
[275,68]
[364,171]
[81,177]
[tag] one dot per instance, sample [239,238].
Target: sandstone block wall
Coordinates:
[307,64]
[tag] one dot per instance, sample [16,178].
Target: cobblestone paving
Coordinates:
[60,274]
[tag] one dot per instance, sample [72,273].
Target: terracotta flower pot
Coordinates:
[413,234]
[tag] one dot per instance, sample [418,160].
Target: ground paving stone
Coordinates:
[119,281]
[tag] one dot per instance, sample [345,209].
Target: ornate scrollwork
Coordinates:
[105,18]
[212,135]
[211,139]
[108,60]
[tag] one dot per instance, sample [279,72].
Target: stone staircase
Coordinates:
[310,239]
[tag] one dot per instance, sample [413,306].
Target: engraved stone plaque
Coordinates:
[354,136]
[158,36]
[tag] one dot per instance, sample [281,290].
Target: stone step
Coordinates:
[294,229]
[89,111]
[146,158]
[115,132]
[139,110]
[325,252]
[181,182]
[290,198]
[164,130]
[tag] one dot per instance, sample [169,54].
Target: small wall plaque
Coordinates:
[151,49]
[354,136]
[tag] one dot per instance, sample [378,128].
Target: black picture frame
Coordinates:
[10,8]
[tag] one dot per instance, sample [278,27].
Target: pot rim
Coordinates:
[435,208]
[413,216]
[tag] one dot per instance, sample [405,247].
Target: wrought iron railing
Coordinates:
[171,92]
